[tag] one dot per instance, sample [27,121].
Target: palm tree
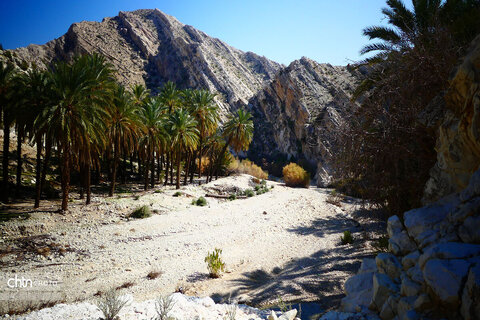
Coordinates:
[238,133]
[205,112]
[151,116]
[184,135]
[170,97]
[80,92]
[122,127]
[140,95]
[7,72]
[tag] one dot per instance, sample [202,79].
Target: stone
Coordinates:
[289,315]
[368,265]
[383,287]
[422,303]
[359,283]
[470,308]
[410,260]
[449,250]
[411,315]
[401,244]
[422,224]
[409,287]
[445,278]
[470,230]
[272,315]
[416,274]
[465,210]
[394,226]
[405,304]
[389,308]
[473,188]
[387,263]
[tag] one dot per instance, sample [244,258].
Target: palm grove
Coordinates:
[85,125]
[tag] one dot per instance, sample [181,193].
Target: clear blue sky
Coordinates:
[282,30]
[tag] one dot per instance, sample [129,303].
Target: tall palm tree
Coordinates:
[80,92]
[7,72]
[184,135]
[237,132]
[122,127]
[205,112]
[170,97]
[140,95]
[151,117]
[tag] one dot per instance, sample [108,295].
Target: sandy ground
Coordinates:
[284,243]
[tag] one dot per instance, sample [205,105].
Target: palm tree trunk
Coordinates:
[20,133]
[6,150]
[152,173]
[187,167]
[65,177]
[88,174]
[192,166]
[171,168]
[177,186]
[159,167]
[220,157]
[82,181]
[147,161]
[48,154]
[38,169]
[114,169]
[167,167]
[200,158]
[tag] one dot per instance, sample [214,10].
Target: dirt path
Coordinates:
[285,242]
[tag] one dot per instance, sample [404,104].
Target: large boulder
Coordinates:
[394,226]
[401,244]
[410,260]
[449,250]
[469,231]
[388,263]
[383,287]
[471,295]
[445,278]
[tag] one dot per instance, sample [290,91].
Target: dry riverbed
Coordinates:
[284,243]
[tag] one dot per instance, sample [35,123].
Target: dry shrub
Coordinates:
[205,164]
[248,167]
[295,176]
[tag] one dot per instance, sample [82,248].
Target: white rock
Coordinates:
[383,287]
[449,250]
[289,315]
[394,226]
[470,308]
[410,260]
[272,316]
[401,244]
[409,287]
[368,265]
[388,263]
[445,277]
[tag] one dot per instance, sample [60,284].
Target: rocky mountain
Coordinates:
[297,114]
[150,47]
[297,108]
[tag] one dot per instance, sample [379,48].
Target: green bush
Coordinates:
[249,193]
[177,194]
[347,238]
[295,176]
[215,264]
[232,197]
[201,202]
[141,212]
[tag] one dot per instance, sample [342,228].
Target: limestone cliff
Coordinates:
[298,113]
[458,138]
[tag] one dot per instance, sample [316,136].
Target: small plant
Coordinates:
[126,285]
[232,197]
[158,191]
[163,306]
[283,306]
[201,202]
[249,193]
[177,194]
[215,264]
[347,238]
[257,187]
[230,311]
[110,304]
[295,176]
[154,274]
[136,197]
[381,244]
[141,212]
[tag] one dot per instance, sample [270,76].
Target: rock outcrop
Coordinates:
[458,138]
[436,277]
[298,113]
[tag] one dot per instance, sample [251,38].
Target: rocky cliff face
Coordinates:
[150,47]
[298,113]
[458,142]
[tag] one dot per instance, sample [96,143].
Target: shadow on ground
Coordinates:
[318,277]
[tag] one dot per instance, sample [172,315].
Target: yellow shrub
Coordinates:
[205,164]
[248,167]
[295,176]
